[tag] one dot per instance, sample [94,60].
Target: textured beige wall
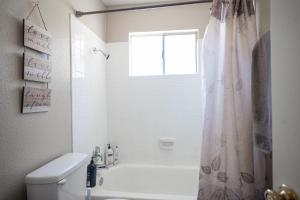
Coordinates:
[97,23]
[29,141]
[171,18]
[285,28]
[181,17]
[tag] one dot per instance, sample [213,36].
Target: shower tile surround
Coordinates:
[143,109]
[140,110]
[89,110]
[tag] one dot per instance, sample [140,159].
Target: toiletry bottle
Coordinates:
[109,155]
[116,155]
[106,155]
[91,175]
[98,158]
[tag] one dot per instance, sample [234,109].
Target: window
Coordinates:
[163,53]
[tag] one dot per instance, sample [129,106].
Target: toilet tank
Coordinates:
[61,179]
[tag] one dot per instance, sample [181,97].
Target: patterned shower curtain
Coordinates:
[231,166]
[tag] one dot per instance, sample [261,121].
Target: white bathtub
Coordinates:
[147,182]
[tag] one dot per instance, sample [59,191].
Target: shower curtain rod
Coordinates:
[80,13]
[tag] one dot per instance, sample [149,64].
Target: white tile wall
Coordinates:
[89,114]
[142,110]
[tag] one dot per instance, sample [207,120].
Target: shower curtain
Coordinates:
[231,166]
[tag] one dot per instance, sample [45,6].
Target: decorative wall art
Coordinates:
[37,38]
[37,64]
[36,100]
[37,67]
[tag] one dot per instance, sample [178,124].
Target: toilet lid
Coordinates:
[57,170]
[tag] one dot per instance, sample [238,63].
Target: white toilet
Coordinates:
[60,179]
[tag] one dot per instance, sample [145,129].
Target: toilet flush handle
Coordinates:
[62,182]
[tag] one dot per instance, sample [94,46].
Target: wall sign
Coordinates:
[37,68]
[37,38]
[36,100]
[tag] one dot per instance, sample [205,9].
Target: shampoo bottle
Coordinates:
[109,155]
[116,155]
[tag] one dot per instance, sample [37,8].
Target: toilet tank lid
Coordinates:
[57,169]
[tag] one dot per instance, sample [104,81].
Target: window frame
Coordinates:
[164,34]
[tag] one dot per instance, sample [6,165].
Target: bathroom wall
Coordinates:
[29,141]
[89,113]
[285,28]
[171,18]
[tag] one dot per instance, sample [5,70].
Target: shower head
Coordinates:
[106,55]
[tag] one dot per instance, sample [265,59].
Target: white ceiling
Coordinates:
[130,2]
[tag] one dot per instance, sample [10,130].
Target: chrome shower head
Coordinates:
[106,55]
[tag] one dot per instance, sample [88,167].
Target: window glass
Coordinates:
[180,54]
[146,55]
[163,53]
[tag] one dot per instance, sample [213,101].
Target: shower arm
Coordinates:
[106,55]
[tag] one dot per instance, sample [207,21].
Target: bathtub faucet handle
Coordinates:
[101,180]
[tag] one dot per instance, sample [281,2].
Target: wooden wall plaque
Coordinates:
[37,38]
[37,68]
[36,100]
